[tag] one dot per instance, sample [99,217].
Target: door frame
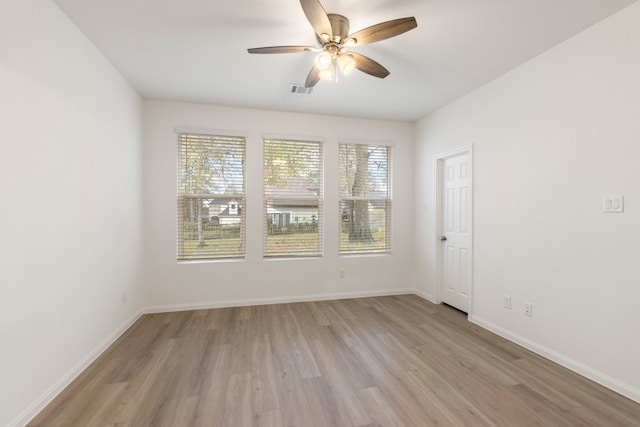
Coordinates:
[438,161]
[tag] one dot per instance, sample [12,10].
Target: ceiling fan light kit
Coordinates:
[324,60]
[328,74]
[332,32]
[347,63]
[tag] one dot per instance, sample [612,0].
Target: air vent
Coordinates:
[296,88]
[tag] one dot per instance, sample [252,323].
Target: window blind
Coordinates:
[211,197]
[292,198]
[365,198]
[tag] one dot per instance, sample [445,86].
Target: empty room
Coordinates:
[320,213]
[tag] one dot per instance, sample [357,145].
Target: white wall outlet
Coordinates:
[343,273]
[124,296]
[613,204]
[507,301]
[528,309]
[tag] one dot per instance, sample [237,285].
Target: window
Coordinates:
[365,198]
[292,198]
[211,197]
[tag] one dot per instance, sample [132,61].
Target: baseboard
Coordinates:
[275,300]
[46,398]
[603,379]
[37,406]
[580,368]
[425,296]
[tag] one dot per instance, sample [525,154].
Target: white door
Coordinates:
[456,231]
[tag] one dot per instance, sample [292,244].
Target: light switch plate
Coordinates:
[613,203]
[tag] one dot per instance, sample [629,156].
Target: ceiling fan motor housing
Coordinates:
[339,27]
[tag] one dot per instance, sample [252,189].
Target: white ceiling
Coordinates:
[196,50]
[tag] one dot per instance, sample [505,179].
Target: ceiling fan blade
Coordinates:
[316,16]
[384,30]
[369,66]
[313,77]
[281,49]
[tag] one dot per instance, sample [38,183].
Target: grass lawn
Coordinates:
[357,247]
[226,247]
[304,243]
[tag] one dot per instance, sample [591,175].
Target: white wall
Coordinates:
[550,139]
[171,285]
[70,219]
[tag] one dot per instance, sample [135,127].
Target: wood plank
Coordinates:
[383,361]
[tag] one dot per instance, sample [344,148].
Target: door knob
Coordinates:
[443,238]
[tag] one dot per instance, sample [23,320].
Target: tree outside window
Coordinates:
[365,198]
[211,181]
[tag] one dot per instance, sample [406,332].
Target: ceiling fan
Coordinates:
[332,32]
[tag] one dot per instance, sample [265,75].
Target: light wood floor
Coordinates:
[388,361]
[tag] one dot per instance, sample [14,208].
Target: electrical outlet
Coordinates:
[124,296]
[528,309]
[507,302]
[343,273]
